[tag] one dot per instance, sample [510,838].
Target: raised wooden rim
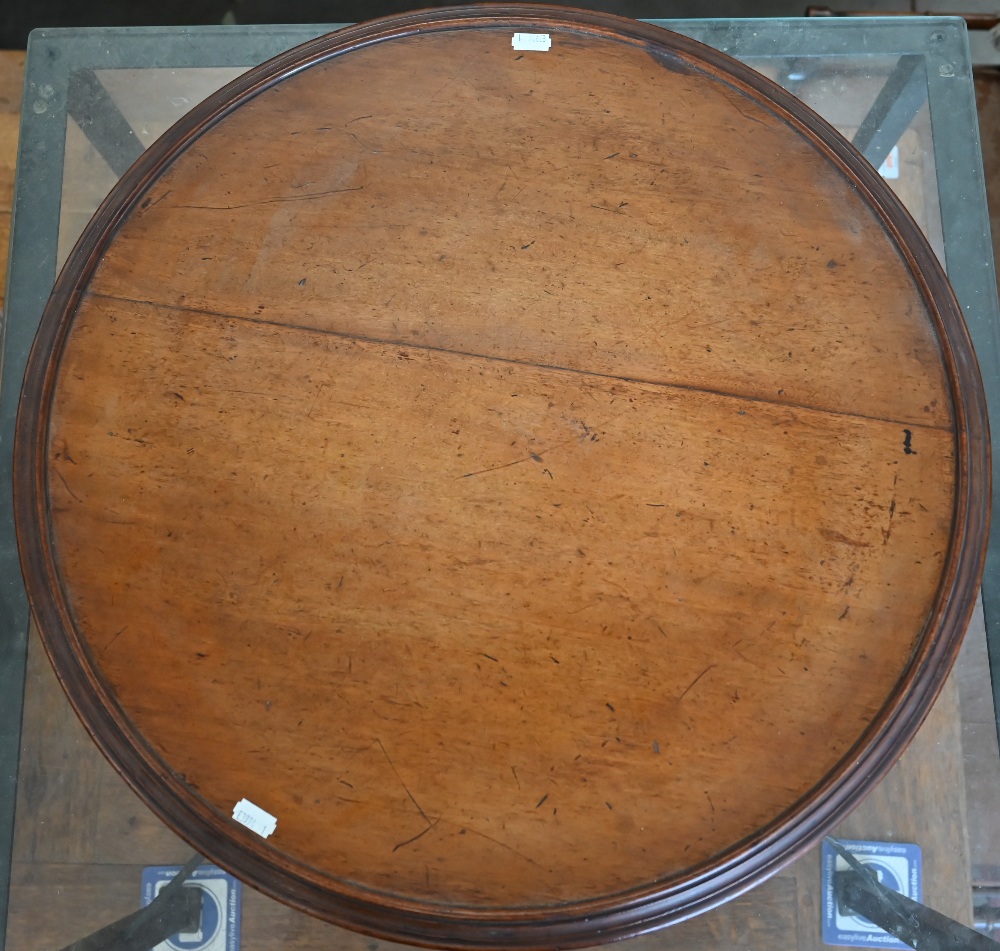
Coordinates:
[583,923]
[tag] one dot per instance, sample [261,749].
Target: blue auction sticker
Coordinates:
[221,906]
[898,865]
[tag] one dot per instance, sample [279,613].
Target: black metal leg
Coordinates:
[914,924]
[175,909]
[904,92]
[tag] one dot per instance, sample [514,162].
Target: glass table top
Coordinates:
[79,839]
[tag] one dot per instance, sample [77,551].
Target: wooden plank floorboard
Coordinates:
[11,81]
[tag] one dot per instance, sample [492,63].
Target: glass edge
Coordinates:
[740,37]
[34,210]
[972,272]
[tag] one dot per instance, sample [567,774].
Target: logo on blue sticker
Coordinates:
[897,865]
[221,906]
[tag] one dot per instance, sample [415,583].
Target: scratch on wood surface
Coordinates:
[745,114]
[503,845]
[148,203]
[834,536]
[62,479]
[271,201]
[696,679]
[115,638]
[392,766]
[414,838]
[506,465]
[887,531]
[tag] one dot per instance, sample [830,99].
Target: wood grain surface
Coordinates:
[485,462]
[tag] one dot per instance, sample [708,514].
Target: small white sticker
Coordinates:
[531,41]
[254,818]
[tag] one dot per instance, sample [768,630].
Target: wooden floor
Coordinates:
[82,837]
[11,79]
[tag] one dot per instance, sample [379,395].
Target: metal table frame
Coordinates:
[933,64]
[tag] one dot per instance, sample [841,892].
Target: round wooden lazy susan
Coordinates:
[550,481]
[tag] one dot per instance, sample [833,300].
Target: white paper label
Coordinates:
[531,41]
[254,818]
